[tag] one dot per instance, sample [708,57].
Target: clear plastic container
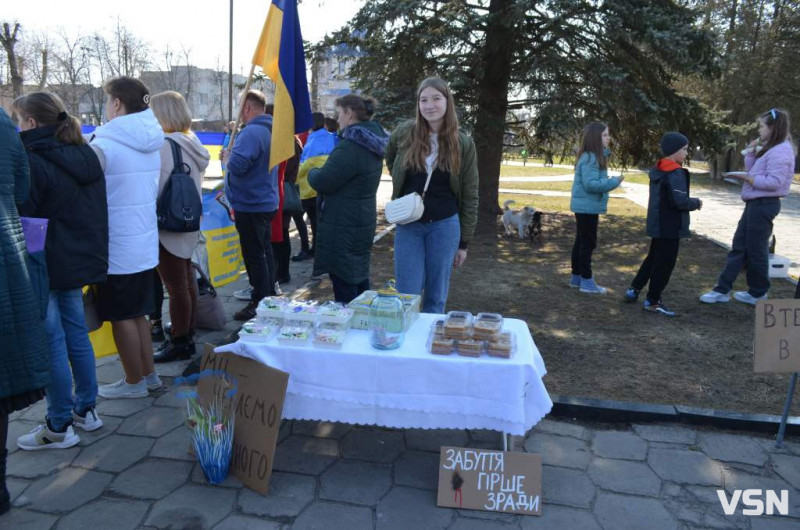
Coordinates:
[295,332]
[439,345]
[438,328]
[458,325]
[259,329]
[305,310]
[487,326]
[272,307]
[470,347]
[334,313]
[330,335]
[503,347]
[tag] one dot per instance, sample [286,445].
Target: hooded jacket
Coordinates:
[68,189]
[348,184]
[129,147]
[249,183]
[24,355]
[669,204]
[181,244]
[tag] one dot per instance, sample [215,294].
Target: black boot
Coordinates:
[5,497]
[156,331]
[175,349]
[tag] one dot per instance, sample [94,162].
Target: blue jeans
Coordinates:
[68,336]
[751,247]
[423,259]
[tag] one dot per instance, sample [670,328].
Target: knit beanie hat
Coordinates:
[672,142]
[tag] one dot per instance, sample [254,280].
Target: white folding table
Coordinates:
[409,388]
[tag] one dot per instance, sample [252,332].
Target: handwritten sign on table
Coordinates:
[777,341]
[493,481]
[258,405]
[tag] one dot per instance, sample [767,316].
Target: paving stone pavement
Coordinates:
[136,472]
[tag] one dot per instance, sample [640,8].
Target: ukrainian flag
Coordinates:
[280,54]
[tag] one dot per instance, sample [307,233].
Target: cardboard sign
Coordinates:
[258,405]
[493,481]
[777,344]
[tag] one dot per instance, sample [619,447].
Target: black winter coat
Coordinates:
[69,189]
[24,357]
[669,205]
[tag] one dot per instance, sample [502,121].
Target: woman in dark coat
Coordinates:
[24,363]
[347,185]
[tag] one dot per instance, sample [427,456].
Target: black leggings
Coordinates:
[585,243]
[657,268]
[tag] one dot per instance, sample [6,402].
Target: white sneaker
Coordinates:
[153,381]
[278,290]
[713,297]
[747,298]
[122,389]
[43,438]
[244,294]
[88,422]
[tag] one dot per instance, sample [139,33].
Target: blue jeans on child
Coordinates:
[423,259]
[68,336]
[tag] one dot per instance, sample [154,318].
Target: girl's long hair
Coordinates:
[419,141]
[592,142]
[48,109]
[778,119]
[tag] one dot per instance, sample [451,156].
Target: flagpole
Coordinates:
[241,108]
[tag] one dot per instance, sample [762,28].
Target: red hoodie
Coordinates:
[666,164]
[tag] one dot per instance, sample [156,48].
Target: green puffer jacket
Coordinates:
[464,185]
[591,186]
[24,357]
[348,184]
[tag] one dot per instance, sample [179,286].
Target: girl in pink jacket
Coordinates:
[770,167]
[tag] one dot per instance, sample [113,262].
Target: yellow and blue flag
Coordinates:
[280,54]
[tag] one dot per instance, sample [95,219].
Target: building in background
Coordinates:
[330,77]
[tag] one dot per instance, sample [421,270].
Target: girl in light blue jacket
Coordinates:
[589,199]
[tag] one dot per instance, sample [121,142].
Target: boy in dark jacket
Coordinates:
[667,221]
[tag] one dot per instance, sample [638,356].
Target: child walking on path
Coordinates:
[667,222]
[589,199]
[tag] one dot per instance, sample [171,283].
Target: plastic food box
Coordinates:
[439,345]
[259,329]
[272,307]
[458,325]
[487,326]
[334,313]
[295,332]
[360,307]
[330,335]
[306,311]
[503,347]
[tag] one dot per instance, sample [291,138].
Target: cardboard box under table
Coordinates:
[409,388]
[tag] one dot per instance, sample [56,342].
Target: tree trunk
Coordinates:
[9,40]
[493,102]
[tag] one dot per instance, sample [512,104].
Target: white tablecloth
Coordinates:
[409,387]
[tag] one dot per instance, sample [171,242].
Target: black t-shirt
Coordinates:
[440,201]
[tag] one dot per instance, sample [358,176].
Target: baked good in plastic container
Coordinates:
[440,345]
[470,347]
[458,325]
[259,329]
[272,307]
[438,328]
[503,347]
[295,332]
[487,326]
[334,313]
[330,335]
[306,310]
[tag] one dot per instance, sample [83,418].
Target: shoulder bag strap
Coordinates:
[427,182]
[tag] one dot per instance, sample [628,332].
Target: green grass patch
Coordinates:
[529,171]
[550,186]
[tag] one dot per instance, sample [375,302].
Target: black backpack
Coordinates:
[180,206]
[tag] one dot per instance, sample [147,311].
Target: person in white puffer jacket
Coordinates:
[128,147]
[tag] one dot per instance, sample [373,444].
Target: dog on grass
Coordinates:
[521,219]
[535,229]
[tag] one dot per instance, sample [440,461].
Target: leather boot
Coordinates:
[5,497]
[174,349]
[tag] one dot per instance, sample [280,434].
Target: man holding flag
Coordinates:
[280,54]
